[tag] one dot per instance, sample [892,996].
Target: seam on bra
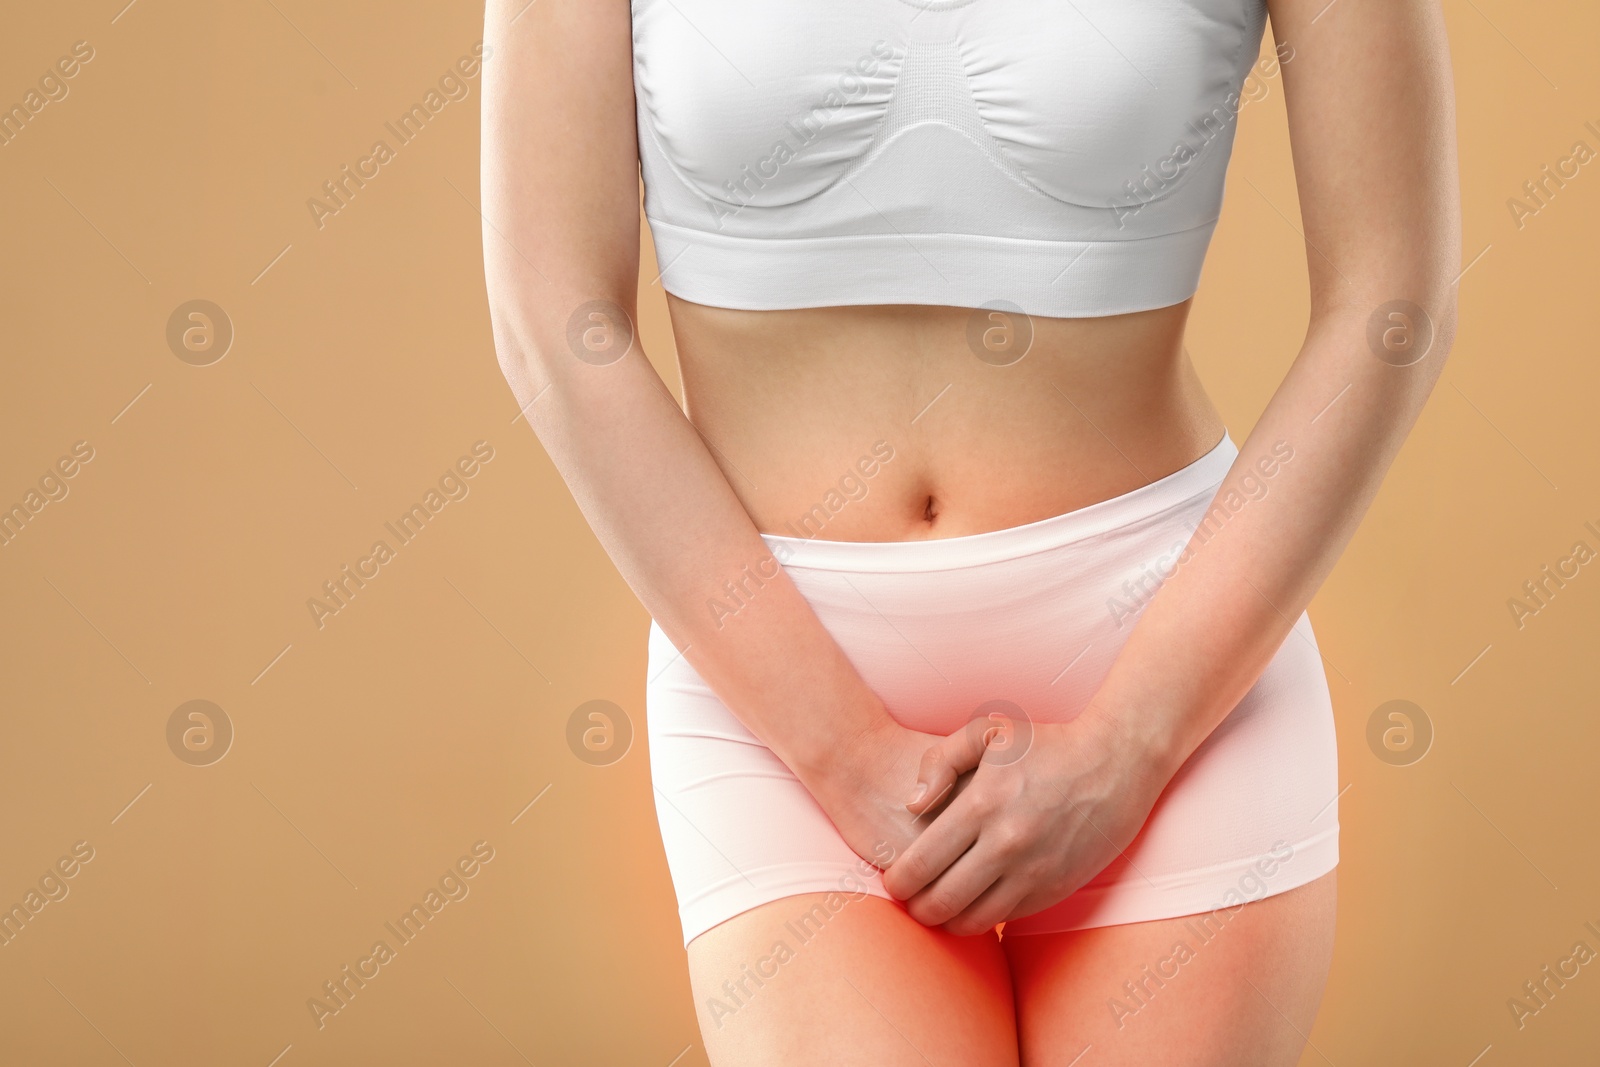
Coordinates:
[932,233]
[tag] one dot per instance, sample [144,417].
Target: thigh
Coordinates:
[827,978]
[1221,989]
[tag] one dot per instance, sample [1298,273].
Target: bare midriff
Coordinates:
[907,422]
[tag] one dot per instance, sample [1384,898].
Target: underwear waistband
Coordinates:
[1202,477]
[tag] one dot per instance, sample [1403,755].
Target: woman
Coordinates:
[947,503]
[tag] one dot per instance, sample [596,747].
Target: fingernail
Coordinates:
[922,791]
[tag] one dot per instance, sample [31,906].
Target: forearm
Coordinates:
[1372,127]
[673,526]
[561,230]
[1269,540]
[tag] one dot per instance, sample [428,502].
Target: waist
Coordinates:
[1155,506]
[1032,614]
[910,422]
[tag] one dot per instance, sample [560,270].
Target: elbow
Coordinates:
[1433,322]
[1404,333]
[589,318]
[1404,317]
[1445,329]
[527,335]
[559,342]
[1439,288]
[519,354]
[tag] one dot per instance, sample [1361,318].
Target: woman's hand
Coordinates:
[1050,805]
[863,787]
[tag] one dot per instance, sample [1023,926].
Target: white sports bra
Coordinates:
[1061,157]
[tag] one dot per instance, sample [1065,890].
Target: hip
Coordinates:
[1033,615]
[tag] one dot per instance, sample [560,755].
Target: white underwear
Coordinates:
[1033,615]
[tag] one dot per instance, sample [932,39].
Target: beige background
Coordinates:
[426,715]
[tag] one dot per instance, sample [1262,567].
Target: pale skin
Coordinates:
[779,403]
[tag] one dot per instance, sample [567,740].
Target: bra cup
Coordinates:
[1082,119]
[747,117]
[1095,104]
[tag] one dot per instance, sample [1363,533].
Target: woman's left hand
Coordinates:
[1050,806]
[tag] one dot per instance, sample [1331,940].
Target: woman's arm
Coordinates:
[1372,127]
[561,231]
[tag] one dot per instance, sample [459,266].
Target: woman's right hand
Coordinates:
[864,785]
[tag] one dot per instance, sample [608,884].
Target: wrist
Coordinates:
[1148,737]
[849,747]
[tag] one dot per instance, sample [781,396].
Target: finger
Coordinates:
[936,777]
[1040,898]
[940,845]
[944,762]
[994,905]
[955,890]
[939,800]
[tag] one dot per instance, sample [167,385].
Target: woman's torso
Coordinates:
[903,422]
[836,191]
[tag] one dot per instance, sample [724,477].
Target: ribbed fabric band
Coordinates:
[1203,476]
[1055,279]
